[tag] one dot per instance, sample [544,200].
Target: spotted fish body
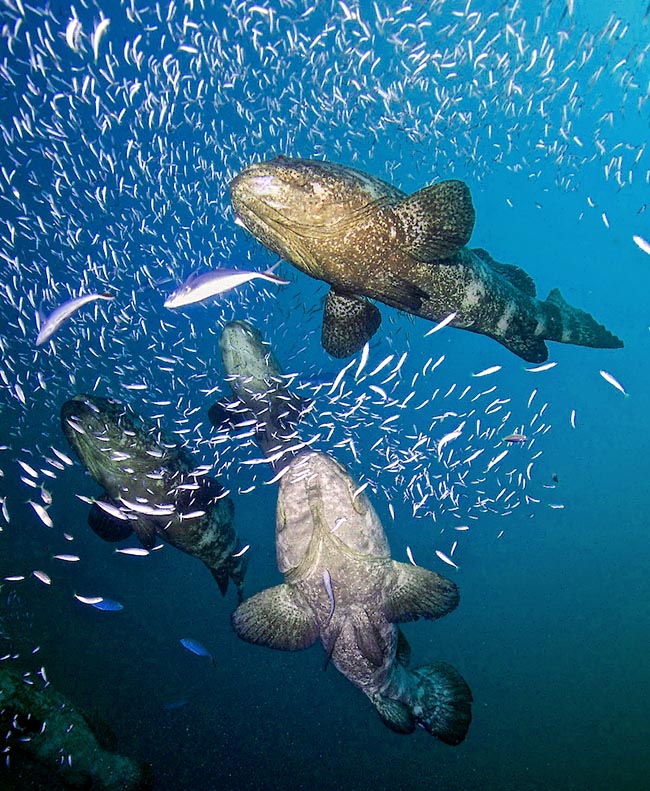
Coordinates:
[342,587]
[369,240]
[151,487]
[41,726]
[259,389]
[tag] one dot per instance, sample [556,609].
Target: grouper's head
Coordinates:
[320,503]
[249,362]
[114,443]
[291,204]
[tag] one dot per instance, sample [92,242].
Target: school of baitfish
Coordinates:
[122,128]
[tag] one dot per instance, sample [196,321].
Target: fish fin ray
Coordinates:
[436,221]
[441,701]
[395,714]
[349,322]
[419,593]
[515,275]
[107,527]
[274,619]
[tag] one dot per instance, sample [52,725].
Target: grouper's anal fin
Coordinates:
[349,322]
[435,222]
[274,619]
[146,532]
[532,350]
[394,714]
[107,526]
[418,593]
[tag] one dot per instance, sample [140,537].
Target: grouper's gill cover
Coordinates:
[151,488]
[369,240]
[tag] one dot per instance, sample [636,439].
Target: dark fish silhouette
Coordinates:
[151,487]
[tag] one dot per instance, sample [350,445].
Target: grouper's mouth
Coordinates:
[269,225]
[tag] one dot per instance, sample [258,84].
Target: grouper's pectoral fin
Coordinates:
[273,618]
[418,593]
[349,321]
[435,222]
[107,526]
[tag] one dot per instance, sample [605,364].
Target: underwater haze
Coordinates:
[122,125]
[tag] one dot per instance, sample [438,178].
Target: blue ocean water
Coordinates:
[119,142]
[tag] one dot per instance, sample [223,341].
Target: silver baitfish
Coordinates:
[150,487]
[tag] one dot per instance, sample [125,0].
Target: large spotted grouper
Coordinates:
[369,240]
[260,392]
[342,587]
[151,487]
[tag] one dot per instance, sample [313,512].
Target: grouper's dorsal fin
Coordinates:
[435,222]
[274,619]
[513,274]
[418,593]
[349,322]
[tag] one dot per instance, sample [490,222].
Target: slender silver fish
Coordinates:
[198,288]
[63,313]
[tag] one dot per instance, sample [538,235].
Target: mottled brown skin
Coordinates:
[327,533]
[365,237]
[133,461]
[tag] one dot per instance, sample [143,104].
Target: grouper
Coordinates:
[342,587]
[371,241]
[260,393]
[44,734]
[152,486]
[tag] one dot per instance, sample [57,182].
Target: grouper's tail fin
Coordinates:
[577,326]
[441,702]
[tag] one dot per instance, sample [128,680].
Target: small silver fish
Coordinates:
[198,288]
[63,313]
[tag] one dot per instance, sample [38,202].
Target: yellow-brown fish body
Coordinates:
[369,240]
[342,587]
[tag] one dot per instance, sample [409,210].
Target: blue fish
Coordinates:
[108,605]
[196,648]
[175,705]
